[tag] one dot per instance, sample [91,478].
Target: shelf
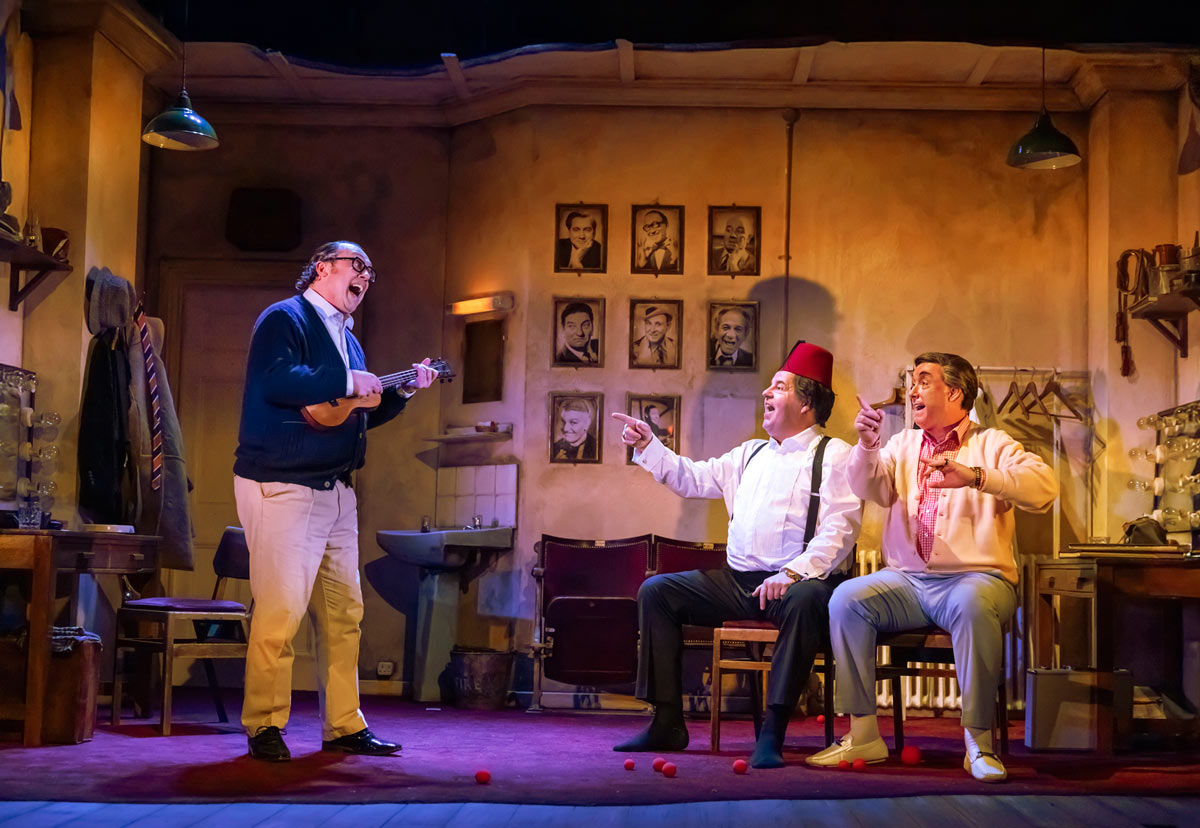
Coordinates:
[476,437]
[22,257]
[1168,313]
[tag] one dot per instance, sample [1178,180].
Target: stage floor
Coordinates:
[534,759]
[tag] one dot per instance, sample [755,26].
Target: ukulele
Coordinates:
[332,414]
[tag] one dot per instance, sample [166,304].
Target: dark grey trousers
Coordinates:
[710,598]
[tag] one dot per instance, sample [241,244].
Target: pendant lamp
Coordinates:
[179,127]
[1043,147]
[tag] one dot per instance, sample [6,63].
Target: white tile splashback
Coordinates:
[487,491]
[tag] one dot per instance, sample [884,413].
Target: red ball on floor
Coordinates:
[911,755]
[820,718]
[483,776]
[669,769]
[628,764]
[843,764]
[860,764]
[740,766]
[658,763]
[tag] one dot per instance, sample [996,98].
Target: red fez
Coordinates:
[812,361]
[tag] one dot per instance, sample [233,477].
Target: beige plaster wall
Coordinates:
[16,172]
[1132,200]
[385,189]
[84,169]
[909,232]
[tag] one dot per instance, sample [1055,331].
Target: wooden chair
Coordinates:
[585,617]
[754,637]
[909,653]
[188,627]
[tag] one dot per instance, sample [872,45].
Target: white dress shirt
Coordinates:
[337,323]
[767,499]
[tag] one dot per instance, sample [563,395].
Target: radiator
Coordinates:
[942,694]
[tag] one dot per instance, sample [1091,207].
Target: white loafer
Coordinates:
[872,752]
[986,767]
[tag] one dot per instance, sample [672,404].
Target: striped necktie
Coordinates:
[156,453]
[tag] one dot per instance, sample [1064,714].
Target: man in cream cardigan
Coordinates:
[949,489]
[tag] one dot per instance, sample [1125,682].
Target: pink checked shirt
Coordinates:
[927,507]
[952,530]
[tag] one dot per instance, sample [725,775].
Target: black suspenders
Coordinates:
[814,500]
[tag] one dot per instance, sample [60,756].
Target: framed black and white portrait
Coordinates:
[655,333]
[732,336]
[661,413]
[576,427]
[578,332]
[657,239]
[733,240]
[580,238]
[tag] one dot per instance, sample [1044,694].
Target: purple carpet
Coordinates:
[549,758]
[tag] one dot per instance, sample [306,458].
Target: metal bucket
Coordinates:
[480,677]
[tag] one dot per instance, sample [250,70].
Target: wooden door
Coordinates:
[212,306]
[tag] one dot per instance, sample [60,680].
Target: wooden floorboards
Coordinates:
[900,812]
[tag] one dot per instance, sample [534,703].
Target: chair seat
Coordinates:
[748,625]
[930,637]
[170,604]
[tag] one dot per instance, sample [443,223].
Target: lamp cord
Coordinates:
[1130,291]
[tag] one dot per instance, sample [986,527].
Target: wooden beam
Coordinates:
[982,66]
[625,62]
[454,70]
[295,83]
[804,62]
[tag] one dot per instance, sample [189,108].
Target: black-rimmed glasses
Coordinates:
[358,264]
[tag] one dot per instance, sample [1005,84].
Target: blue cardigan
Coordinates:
[293,363]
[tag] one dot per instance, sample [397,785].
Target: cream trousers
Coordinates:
[303,557]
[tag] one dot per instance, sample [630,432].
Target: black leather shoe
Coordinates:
[267,745]
[364,742]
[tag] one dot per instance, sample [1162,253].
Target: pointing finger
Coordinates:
[625,418]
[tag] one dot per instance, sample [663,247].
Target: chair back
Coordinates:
[670,555]
[586,568]
[232,558]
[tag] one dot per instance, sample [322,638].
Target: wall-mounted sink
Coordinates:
[449,559]
[442,548]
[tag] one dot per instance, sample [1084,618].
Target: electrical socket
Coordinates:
[385,668]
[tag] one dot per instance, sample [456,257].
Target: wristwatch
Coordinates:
[791,573]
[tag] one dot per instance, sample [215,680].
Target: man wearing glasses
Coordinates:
[658,250]
[296,502]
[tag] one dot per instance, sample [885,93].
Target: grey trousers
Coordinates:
[971,606]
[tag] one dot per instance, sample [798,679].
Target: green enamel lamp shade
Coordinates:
[1043,148]
[180,127]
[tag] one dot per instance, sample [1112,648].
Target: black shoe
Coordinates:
[364,742]
[267,745]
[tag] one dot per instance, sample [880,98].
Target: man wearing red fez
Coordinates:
[949,488]
[792,527]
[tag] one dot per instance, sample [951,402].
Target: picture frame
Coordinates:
[656,242]
[576,427]
[732,343]
[580,238]
[577,332]
[734,238]
[661,412]
[655,333]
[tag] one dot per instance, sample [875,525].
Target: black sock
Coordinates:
[768,751]
[667,731]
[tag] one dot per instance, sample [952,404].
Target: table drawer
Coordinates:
[1067,579]
[106,557]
